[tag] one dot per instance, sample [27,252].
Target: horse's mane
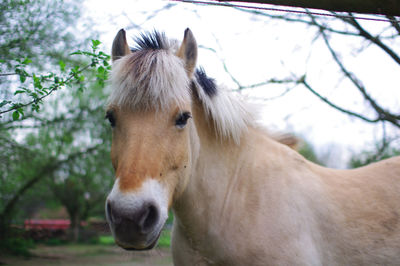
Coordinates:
[152,77]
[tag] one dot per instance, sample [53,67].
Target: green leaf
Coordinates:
[20,111]
[22,77]
[89,54]
[95,43]
[26,61]
[67,139]
[19,91]
[15,115]
[100,70]
[4,103]
[79,52]
[37,82]
[62,65]
[35,107]
[81,88]
[75,70]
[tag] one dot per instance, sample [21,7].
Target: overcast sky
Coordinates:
[256,49]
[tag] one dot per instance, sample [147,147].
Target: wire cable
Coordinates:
[286,10]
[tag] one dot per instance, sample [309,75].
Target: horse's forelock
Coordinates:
[152,40]
[206,83]
[230,114]
[149,79]
[152,77]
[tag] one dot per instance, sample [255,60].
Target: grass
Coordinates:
[164,241]
[106,240]
[102,251]
[90,255]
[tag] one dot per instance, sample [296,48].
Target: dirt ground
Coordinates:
[91,255]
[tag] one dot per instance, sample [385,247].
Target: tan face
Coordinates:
[151,156]
[150,149]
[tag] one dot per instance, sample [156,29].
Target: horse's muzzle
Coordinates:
[137,229]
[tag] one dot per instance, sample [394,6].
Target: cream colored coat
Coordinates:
[239,196]
[262,203]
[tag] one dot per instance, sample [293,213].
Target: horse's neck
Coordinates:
[230,183]
[213,173]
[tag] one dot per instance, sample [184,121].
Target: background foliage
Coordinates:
[53,141]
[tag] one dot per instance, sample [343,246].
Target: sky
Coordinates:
[255,49]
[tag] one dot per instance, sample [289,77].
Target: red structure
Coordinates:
[50,224]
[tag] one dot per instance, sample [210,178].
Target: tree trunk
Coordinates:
[75,227]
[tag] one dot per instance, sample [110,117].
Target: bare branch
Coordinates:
[223,65]
[341,109]
[134,25]
[394,23]
[383,115]
[375,40]
[298,19]
[286,91]
[240,86]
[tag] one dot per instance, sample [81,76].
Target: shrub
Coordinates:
[17,246]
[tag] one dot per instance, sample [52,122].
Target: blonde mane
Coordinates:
[152,77]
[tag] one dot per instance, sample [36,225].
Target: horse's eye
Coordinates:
[182,119]
[111,118]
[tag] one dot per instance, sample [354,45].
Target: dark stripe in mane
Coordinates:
[151,40]
[206,83]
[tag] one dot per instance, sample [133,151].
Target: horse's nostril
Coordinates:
[112,216]
[133,224]
[148,218]
[108,211]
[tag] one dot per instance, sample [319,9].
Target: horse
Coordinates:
[239,196]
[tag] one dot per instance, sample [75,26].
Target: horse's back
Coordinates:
[388,167]
[365,205]
[354,215]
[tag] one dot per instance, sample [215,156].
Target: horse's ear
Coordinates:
[120,46]
[188,52]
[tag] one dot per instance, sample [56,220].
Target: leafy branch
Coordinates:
[41,86]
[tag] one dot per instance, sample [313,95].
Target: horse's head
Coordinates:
[149,111]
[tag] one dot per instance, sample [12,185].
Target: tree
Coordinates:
[41,140]
[81,184]
[370,156]
[307,150]
[24,27]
